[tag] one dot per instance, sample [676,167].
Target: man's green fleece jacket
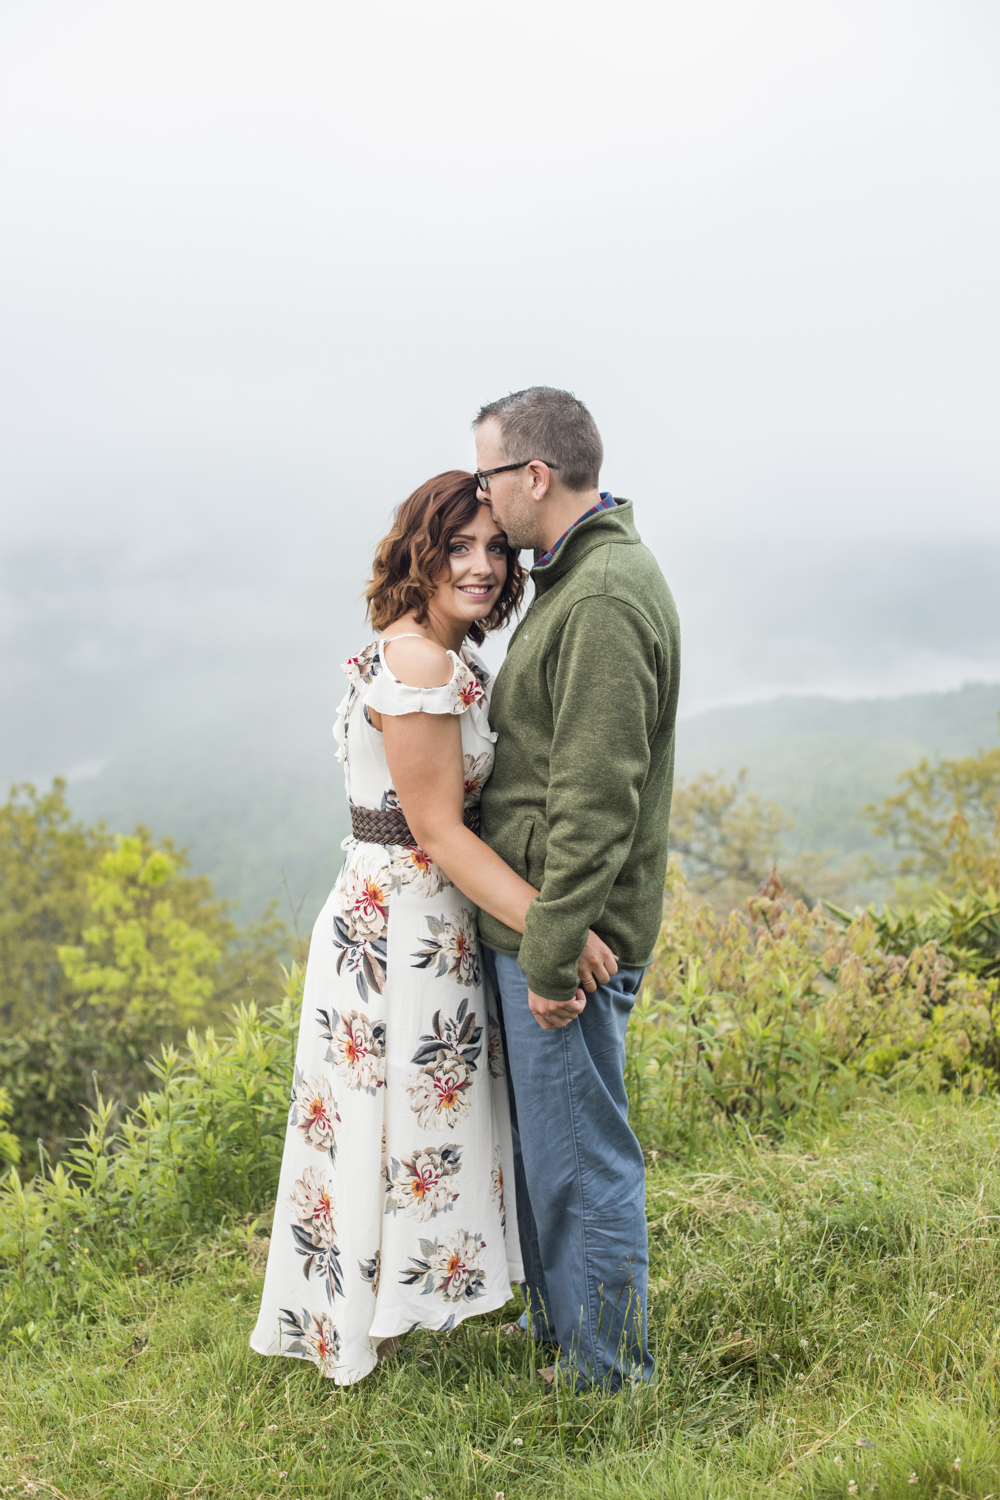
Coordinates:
[584,708]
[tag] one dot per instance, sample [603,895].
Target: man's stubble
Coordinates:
[520,520]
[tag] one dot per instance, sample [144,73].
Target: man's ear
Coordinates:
[539,480]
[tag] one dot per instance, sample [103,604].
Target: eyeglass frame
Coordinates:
[485,474]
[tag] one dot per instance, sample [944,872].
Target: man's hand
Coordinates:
[596,963]
[553,1015]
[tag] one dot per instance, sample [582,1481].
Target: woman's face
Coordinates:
[477,570]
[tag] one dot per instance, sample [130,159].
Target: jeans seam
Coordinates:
[591,1340]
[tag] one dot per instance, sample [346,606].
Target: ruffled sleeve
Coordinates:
[384,693]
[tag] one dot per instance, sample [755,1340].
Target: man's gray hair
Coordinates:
[551,425]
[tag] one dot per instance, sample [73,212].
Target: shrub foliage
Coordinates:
[748,1020]
[108,948]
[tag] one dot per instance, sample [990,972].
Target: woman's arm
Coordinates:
[424,754]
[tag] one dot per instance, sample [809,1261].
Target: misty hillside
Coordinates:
[822,760]
[195,691]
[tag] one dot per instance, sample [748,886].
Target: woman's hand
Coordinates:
[596,963]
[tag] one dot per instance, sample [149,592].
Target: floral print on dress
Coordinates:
[360,929]
[410,869]
[371,1271]
[476,770]
[465,689]
[479,673]
[496,1187]
[364,667]
[357,1047]
[494,1050]
[311,1201]
[456,1034]
[453,946]
[440,1095]
[446,1057]
[362,957]
[451,1268]
[420,1185]
[313,1112]
[364,897]
[313,1336]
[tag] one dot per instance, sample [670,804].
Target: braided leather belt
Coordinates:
[376,825]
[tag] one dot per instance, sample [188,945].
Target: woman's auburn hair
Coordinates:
[411,561]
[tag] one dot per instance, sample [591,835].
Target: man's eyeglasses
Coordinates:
[483,475]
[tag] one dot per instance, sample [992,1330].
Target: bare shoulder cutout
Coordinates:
[418,662]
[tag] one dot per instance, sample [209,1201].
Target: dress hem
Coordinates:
[352,1374]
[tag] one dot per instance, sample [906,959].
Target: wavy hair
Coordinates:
[412,559]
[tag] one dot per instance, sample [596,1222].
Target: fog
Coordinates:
[261,263]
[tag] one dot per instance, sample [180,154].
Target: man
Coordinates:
[578,803]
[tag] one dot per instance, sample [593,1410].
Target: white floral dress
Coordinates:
[391,1211]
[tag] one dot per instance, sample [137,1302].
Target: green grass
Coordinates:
[804,1297]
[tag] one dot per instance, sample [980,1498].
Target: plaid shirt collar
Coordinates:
[606,502]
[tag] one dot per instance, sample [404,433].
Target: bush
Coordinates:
[197,1156]
[755,1019]
[945,825]
[10,1150]
[966,928]
[108,949]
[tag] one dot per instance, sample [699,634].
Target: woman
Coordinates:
[391,1213]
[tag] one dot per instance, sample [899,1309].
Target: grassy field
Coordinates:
[825,1317]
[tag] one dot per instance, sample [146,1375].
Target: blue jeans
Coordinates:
[579,1178]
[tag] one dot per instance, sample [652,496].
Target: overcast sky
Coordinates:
[262,260]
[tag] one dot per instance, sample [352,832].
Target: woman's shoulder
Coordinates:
[417,661]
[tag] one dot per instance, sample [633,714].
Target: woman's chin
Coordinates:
[473,610]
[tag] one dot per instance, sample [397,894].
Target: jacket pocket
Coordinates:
[524,833]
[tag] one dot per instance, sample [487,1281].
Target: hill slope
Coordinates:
[822,759]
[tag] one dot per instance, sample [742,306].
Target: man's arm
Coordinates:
[605,703]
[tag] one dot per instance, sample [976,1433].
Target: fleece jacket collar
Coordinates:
[607,526]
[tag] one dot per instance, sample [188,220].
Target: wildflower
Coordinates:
[913,1478]
[804,1343]
[839,1459]
[519,1442]
[957,1464]
[272,1427]
[282,1473]
[852,1488]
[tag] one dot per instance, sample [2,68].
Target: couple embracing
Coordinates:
[458,1118]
